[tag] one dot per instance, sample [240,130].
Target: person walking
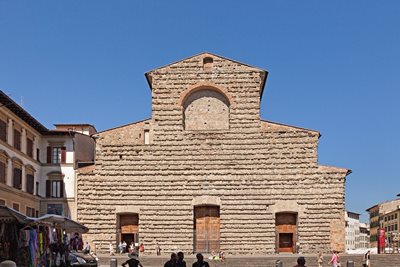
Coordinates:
[181,262]
[367,259]
[301,262]
[133,261]
[334,259]
[172,262]
[320,259]
[200,261]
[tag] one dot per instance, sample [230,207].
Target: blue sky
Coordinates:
[333,67]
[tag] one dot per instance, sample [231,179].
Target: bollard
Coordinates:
[278,263]
[350,264]
[113,262]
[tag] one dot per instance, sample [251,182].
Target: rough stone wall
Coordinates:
[254,169]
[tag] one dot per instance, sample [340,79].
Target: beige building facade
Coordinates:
[206,173]
[38,165]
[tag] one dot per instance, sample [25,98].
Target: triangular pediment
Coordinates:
[189,62]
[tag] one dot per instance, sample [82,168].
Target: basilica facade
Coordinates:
[205,173]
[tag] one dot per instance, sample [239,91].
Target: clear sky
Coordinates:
[333,67]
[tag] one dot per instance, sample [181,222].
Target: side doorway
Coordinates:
[286,232]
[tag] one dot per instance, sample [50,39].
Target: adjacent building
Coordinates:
[38,165]
[377,215]
[206,173]
[352,230]
[357,233]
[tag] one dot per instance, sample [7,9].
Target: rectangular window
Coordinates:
[15,206]
[56,155]
[30,182]
[30,212]
[55,188]
[29,147]
[146,137]
[3,131]
[37,154]
[17,139]
[2,202]
[17,178]
[3,172]
[55,209]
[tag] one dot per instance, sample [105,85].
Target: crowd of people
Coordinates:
[177,260]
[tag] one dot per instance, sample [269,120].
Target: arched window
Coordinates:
[206,109]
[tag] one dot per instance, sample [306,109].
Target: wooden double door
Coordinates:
[129,228]
[206,229]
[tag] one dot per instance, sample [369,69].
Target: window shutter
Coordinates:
[2,172]
[3,131]
[48,188]
[63,154]
[62,188]
[49,154]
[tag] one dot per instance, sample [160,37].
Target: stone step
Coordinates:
[385,260]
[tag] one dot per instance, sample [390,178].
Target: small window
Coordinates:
[3,172]
[30,182]
[15,206]
[30,212]
[17,139]
[17,178]
[38,154]
[146,137]
[207,63]
[55,188]
[56,154]
[57,209]
[29,147]
[2,202]
[3,131]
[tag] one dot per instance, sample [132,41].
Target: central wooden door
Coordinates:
[206,228]
[129,228]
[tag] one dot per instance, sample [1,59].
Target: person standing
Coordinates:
[200,261]
[320,259]
[301,262]
[181,262]
[111,249]
[172,262]
[367,259]
[141,249]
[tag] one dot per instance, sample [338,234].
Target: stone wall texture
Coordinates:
[250,167]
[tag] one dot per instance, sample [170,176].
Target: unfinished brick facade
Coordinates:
[208,147]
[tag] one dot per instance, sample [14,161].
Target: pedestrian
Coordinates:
[131,247]
[367,259]
[133,261]
[111,249]
[320,259]
[120,247]
[124,245]
[334,259]
[172,262]
[200,261]
[87,248]
[158,249]
[181,262]
[141,249]
[301,262]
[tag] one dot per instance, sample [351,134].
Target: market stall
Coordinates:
[37,241]
[11,222]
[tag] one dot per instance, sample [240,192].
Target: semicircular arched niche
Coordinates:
[206,109]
